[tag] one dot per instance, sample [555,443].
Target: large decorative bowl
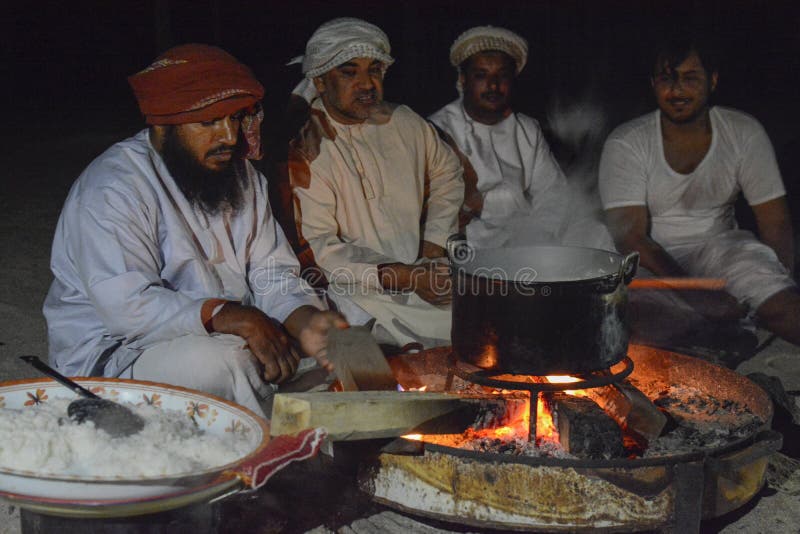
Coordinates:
[81,496]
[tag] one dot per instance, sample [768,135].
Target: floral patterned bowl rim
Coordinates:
[210,412]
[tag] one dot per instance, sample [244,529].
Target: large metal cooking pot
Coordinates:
[539,309]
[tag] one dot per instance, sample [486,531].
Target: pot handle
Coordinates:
[766,443]
[458,250]
[628,267]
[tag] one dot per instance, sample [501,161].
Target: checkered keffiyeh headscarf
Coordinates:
[336,42]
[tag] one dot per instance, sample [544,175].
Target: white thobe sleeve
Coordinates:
[445,176]
[117,259]
[342,262]
[274,271]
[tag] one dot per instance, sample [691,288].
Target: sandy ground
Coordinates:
[33,190]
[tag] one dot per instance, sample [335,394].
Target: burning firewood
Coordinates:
[630,408]
[583,428]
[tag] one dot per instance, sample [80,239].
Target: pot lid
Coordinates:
[536,264]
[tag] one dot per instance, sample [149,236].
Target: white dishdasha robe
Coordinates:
[134,261]
[525,197]
[375,191]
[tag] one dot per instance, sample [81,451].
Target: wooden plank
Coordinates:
[358,361]
[352,415]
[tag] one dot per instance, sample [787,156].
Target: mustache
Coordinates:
[494,94]
[221,150]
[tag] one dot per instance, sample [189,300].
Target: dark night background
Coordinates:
[65,63]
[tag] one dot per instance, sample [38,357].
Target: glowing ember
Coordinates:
[566,379]
[401,388]
[561,379]
[504,431]
[415,437]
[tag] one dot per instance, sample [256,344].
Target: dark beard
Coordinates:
[209,190]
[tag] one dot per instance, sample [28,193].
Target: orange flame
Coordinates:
[517,425]
[401,388]
[545,425]
[566,379]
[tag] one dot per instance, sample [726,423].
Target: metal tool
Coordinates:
[107,415]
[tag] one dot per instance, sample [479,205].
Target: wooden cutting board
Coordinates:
[358,361]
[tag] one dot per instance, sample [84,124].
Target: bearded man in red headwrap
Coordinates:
[168,264]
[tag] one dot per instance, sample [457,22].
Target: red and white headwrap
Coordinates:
[197,83]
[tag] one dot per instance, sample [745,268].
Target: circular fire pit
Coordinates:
[554,494]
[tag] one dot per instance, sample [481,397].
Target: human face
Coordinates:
[351,90]
[487,80]
[205,164]
[211,143]
[682,93]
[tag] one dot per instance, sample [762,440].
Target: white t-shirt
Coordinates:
[689,208]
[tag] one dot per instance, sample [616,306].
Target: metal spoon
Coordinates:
[116,419]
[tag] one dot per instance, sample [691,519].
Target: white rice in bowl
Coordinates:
[44,440]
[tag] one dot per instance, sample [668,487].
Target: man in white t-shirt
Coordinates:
[515,192]
[669,180]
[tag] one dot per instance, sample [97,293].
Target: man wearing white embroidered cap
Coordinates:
[514,186]
[376,191]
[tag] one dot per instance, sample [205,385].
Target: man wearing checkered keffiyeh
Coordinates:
[376,191]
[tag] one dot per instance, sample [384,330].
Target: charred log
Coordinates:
[631,409]
[584,429]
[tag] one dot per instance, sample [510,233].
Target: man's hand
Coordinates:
[310,327]
[470,209]
[430,280]
[714,305]
[434,284]
[265,338]
[431,250]
[313,337]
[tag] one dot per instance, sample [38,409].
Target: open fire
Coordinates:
[516,421]
[705,457]
[631,419]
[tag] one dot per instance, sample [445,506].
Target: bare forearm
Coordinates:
[775,229]
[780,240]
[652,256]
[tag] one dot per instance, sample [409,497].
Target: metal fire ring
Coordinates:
[484,378]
